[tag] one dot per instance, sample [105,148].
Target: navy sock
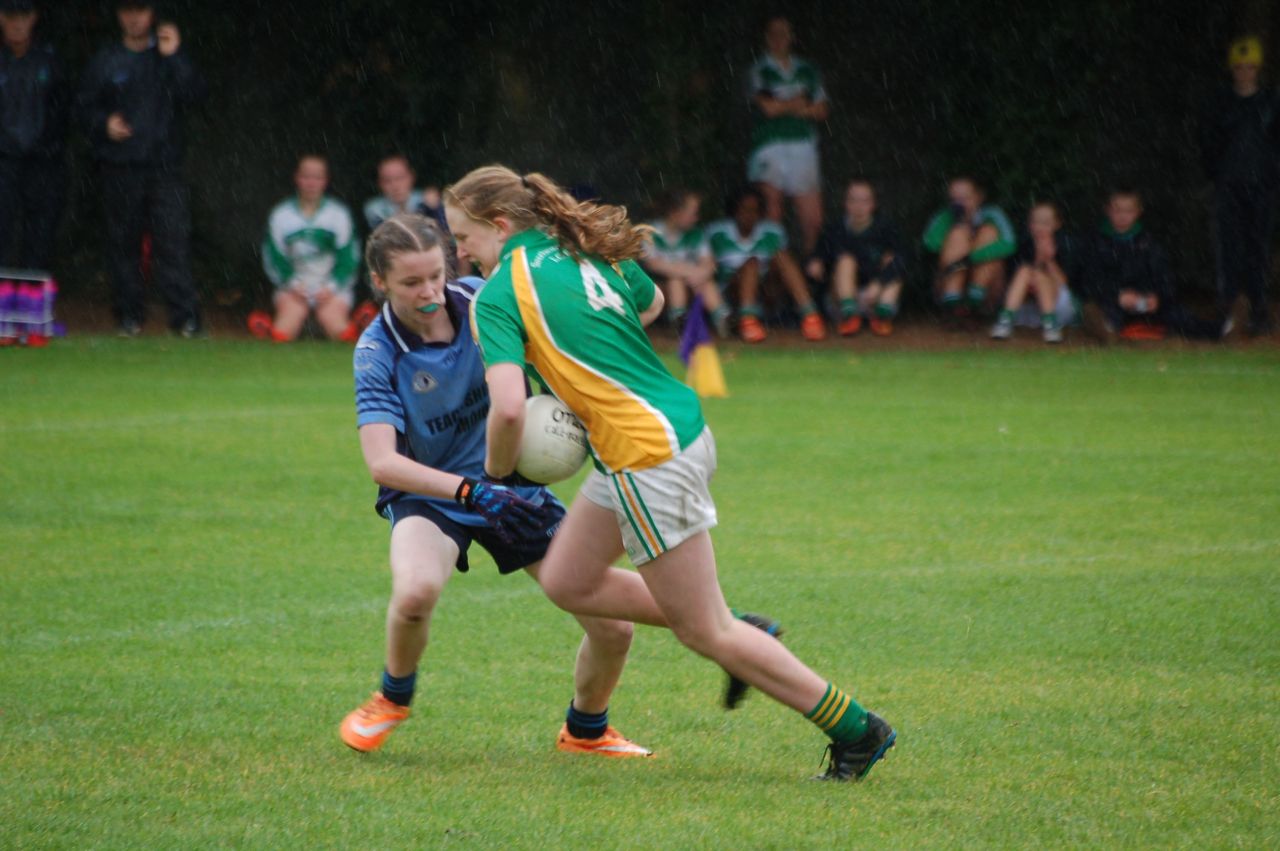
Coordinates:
[399,690]
[583,725]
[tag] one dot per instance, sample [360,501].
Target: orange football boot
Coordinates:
[612,744]
[367,727]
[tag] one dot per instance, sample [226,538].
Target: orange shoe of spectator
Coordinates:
[813,328]
[751,329]
[364,313]
[1143,331]
[351,333]
[850,326]
[260,324]
[881,327]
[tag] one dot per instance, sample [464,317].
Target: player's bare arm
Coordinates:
[393,470]
[506,418]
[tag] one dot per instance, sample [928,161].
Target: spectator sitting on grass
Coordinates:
[748,249]
[862,254]
[1128,281]
[1046,265]
[310,254]
[396,179]
[972,240]
[677,255]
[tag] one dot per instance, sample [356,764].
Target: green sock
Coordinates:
[722,311]
[848,307]
[675,314]
[839,716]
[1006,315]
[751,310]
[1048,320]
[806,309]
[884,311]
[977,295]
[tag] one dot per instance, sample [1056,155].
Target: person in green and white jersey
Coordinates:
[677,255]
[972,239]
[788,101]
[749,249]
[566,299]
[311,255]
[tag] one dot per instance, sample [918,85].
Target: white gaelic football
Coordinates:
[554,443]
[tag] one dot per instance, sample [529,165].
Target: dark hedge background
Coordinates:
[1057,100]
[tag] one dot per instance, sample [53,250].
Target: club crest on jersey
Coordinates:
[424,382]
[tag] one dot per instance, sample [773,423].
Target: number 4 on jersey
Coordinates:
[599,294]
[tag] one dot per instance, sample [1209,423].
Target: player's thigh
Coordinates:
[684,584]
[587,544]
[422,560]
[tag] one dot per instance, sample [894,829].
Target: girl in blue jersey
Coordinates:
[421,404]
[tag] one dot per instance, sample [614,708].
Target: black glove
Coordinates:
[511,516]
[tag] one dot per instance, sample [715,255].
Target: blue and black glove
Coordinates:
[511,516]
[515,480]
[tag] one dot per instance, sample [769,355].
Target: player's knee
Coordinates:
[611,635]
[562,589]
[703,638]
[416,601]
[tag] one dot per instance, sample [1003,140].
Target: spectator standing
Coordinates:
[131,103]
[33,128]
[788,102]
[1240,151]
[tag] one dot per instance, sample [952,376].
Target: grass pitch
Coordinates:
[1054,572]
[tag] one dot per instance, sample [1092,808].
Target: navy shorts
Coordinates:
[509,558]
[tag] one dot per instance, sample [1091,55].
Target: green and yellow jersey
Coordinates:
[577,324]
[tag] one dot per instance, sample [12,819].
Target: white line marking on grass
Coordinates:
[152,630]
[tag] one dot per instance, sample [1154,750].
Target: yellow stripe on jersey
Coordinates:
[626,432]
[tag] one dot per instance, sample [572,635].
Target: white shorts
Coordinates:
[791,167]
[312,292]
[662,507]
